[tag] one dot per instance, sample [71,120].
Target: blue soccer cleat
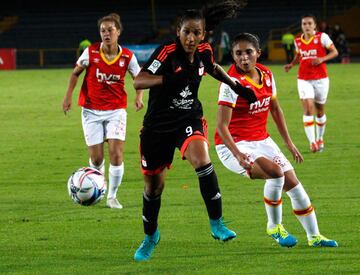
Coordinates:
[147,247]
[281,236]
[321,241]
[220,232]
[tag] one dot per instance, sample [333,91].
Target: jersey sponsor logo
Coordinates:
[93,51]
[96,60]
[155,65]
[183,103]
[186,92]
[109,79]
[260,106]
[308,54]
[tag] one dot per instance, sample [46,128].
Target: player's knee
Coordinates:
[97,161]
[116,159]
[198,161]
[275,172]
[154,185]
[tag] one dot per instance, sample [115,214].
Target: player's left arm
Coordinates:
[215,70]
[219,74]
[279,119]
[134,69]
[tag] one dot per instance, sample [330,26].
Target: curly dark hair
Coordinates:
[213,13]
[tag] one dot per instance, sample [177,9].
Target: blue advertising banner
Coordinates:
[142,52]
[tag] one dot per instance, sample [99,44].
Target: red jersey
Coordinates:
[103,85]
[248,122]
[309,50]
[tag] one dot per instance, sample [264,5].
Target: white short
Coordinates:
[99,125]
[316,89]
[253,149]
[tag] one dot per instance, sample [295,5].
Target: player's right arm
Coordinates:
[71,86]
[81,64]
[156,72]
[295,61]
[227,100]
[145,80]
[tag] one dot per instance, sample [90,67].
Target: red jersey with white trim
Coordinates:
[248,122]
[103,85]
[309,50]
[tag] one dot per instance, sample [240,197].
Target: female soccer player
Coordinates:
[245,147]
[104,100]
[174,119]
[313,81]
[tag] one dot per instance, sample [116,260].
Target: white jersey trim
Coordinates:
[134,67]
[83,60]
[326,40]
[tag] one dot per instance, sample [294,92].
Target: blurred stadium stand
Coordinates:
[62,25]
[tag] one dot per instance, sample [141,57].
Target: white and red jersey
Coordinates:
[248,122]
[103,86]
[309,50]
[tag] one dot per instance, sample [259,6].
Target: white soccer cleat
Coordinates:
[113,203]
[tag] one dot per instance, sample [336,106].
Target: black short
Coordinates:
[157,149]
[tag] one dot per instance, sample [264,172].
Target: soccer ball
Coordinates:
[86,186]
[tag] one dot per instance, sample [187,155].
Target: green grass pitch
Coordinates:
[43,232]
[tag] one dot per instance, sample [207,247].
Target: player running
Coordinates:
[104,100]
[174,119]
[245,147]
[313,82]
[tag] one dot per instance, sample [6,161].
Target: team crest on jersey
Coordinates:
[155,65]
[96,60]
[201,71]
[316,41]
[122,62]
[267,80]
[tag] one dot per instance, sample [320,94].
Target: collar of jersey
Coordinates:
[307,42]
[107,61]
[258,86]
[180,48]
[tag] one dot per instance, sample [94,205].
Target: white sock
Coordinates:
[309,128]
[320,127]
[101,167]
[273,202]
[115,177]
[303,210]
